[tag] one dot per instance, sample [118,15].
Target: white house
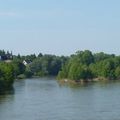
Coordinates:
[26,62]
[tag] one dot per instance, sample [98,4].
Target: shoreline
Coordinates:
[82,81]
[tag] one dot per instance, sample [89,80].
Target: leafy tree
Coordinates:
[117,72]
[19,68]
[85,65]
[6,75]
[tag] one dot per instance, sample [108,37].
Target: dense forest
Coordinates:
[83,65]
[86,66]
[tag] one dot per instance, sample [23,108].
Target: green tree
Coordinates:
[6,75]
[117,72]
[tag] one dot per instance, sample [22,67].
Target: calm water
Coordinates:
[45,99]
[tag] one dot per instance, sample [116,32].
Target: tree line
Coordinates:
[39,65]
[83,65]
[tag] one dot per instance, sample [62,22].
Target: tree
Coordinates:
[117,72]
[6,75]
[19,68]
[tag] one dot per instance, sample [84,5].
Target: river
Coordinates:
[45,99]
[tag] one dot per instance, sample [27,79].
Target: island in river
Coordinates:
[84,66]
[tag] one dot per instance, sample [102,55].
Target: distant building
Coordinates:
[6,57]
[3,57]
[26,62]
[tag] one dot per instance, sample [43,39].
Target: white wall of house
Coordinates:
[25,63]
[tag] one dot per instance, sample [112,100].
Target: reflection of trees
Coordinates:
[7,91]
[6,94]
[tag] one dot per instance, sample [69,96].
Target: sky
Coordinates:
[60,27]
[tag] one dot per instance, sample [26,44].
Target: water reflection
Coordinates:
[7,95]
[45,99]
[8,91]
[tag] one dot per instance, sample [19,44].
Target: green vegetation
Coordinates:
[46,65]
[83,65]
[19,67]
[86,66]
[40,65]
[6,75]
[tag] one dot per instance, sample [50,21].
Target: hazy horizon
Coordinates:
[60,27]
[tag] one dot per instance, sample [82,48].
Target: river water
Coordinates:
[45,99]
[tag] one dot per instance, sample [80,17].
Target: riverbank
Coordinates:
[82,81]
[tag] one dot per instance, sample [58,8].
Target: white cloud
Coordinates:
[7,14]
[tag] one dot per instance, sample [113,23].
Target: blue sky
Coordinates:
[60,27]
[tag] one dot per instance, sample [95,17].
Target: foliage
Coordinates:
[46,65]
[83,65]
[86,65]
[18,66]
[6,75]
